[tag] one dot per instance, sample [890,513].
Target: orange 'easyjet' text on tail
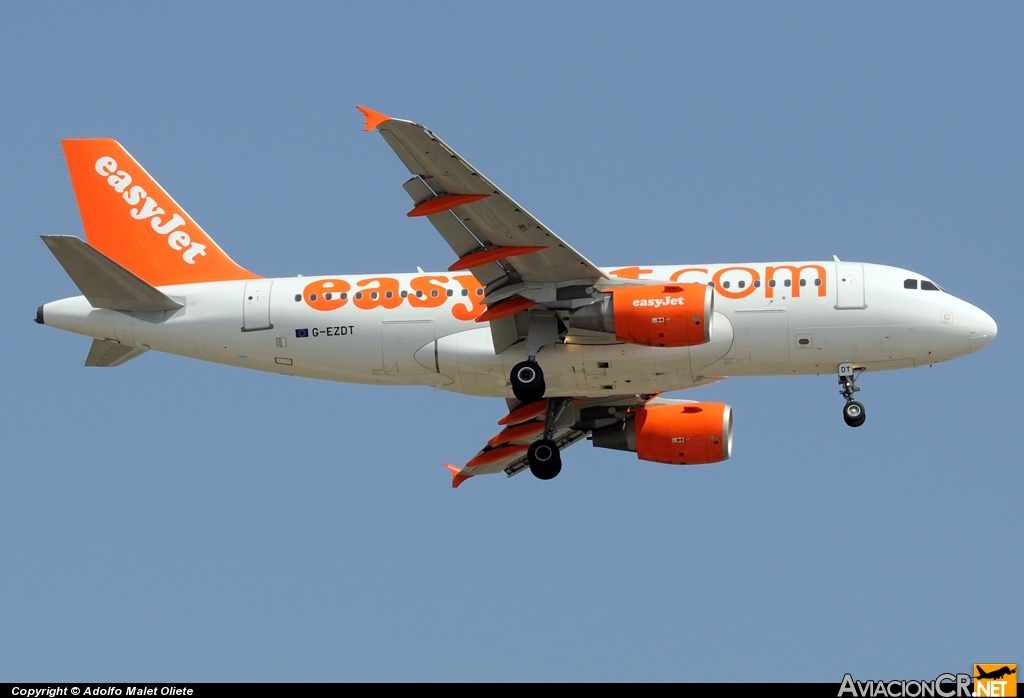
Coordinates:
[132,220]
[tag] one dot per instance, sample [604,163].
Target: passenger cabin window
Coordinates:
[910,283]
[928,286]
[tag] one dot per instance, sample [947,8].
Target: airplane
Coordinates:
[576,350]
[996,673]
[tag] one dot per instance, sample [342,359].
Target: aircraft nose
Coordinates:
[983,329]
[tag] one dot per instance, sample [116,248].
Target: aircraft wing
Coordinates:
[494,237]
[572,419]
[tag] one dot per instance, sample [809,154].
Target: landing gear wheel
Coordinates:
[528,381]
[545,459]
[853,413]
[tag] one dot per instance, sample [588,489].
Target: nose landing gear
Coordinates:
[853,411]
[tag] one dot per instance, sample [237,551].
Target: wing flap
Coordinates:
[508,330]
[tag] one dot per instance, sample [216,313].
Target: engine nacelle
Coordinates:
[656,315]
[681,434]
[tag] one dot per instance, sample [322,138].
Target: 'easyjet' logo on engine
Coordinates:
[658,302]
[134,195]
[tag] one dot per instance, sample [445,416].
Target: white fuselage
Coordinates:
[766,323]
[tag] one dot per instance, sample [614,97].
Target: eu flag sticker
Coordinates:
[302,333]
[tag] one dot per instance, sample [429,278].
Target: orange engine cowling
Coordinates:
[656,315]
[681,434]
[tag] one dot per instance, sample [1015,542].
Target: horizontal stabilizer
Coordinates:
[105,353]
[104,282]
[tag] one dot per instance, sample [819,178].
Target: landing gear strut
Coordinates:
[544,457]
[853,411]
[527,381]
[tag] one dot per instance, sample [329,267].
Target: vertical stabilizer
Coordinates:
[133,221]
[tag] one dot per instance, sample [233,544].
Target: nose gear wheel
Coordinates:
[853,411]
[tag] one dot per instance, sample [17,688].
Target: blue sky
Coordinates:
[174,520]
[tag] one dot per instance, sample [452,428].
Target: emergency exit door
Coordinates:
[256,306]
[850,287]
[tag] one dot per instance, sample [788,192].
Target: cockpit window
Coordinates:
[929,286]
[910,283]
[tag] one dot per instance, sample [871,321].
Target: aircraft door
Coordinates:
[399,342]
[850,287]
[256,306]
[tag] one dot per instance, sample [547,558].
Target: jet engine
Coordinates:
[656,315]
[677,434]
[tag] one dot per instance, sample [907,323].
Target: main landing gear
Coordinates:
[528,386]
[545,459]
[527,381]
[544,456]
[853,411]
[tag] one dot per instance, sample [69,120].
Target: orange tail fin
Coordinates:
[131,219]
